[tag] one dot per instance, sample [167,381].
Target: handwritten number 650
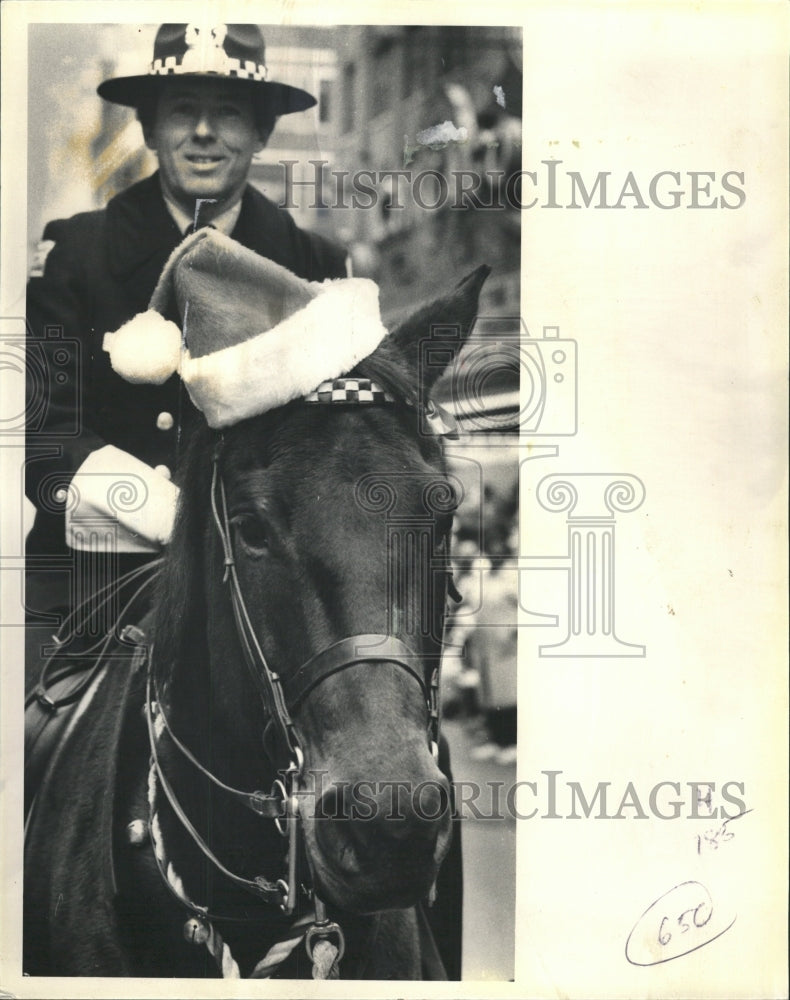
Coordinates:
[699,919]
[679,922]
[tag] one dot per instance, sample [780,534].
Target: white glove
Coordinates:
[118,503]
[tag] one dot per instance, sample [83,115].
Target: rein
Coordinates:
[280,697]
[76,622]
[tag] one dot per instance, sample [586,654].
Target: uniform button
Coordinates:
[163,471]
[61,495]
[164,421]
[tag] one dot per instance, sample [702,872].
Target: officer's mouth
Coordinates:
[203,161]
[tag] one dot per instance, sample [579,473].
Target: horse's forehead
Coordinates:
[355,470]
[314,441]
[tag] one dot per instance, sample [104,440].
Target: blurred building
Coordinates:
[396,82]
[305,57]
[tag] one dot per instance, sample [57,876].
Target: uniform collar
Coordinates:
[225,222]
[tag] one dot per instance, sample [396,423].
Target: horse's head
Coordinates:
[338,518]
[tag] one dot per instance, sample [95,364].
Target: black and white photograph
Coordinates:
[252,574]
[394,473]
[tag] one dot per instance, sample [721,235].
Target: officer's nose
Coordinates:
[204,126]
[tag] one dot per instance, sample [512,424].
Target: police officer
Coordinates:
[205,107]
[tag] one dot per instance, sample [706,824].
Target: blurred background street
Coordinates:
[489,847]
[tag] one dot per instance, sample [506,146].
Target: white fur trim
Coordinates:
[325,339]
[145,349]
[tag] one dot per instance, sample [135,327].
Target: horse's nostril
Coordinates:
[332,828]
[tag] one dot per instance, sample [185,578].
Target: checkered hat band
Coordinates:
[349,390]
[247,70]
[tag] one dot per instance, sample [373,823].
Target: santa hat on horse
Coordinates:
[254,336]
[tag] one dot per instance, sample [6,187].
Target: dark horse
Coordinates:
[293,646]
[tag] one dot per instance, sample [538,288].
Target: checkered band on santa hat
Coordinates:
[253,335]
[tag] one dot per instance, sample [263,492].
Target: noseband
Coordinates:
[282,696]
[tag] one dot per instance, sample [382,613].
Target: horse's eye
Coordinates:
[252,533]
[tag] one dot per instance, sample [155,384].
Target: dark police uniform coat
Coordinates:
[100,272]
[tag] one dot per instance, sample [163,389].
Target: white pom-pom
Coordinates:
[146,349]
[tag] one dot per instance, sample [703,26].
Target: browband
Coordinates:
[349,390]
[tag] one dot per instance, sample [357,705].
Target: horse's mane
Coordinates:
[180,598]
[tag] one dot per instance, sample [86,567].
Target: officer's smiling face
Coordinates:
[204,134]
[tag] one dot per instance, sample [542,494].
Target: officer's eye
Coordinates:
[183,108]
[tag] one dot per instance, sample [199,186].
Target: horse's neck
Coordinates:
[158,917]
[380,946]
[246,843]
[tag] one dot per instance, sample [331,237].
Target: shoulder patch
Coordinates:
[40,258]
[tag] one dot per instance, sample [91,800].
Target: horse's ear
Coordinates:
[430,338]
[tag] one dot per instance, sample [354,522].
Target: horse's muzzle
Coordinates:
[378,845]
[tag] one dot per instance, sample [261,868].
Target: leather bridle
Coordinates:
[281,697]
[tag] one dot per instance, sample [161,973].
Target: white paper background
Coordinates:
[680,319]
